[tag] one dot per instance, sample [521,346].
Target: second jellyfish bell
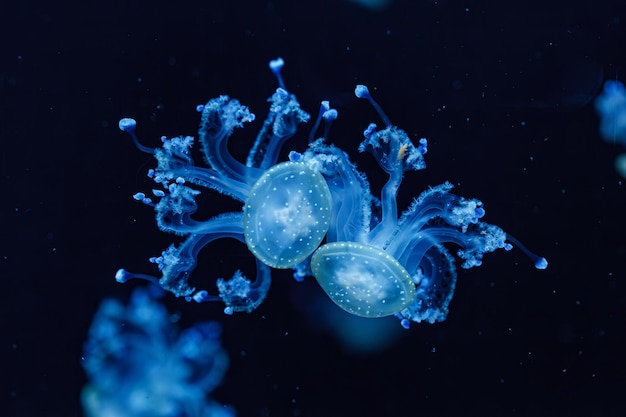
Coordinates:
[362,279]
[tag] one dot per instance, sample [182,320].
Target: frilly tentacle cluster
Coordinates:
[316,214]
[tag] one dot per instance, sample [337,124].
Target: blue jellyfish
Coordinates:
[377,264]
[286,207]
[140,365]
[373,263]
[611,106]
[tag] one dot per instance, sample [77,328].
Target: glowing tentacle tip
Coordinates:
[276,65]
[127,125]
[122,276]
[541,263]
[330,115]
[361,91]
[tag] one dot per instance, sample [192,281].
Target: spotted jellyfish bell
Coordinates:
[287,214]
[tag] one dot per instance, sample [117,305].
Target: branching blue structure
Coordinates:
[140,365]
[611,106]
[373,263]
[286,206]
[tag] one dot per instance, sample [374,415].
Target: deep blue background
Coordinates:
[503,92]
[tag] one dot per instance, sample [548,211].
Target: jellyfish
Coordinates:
[140,364]
[375,263]
[611,107]
[372,263]
[286,207]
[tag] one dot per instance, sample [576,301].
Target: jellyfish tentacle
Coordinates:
[296,201]
[436,281]
[351,197]
[129,126]
[219,117]
[395,153]
[375,261]
[281,124]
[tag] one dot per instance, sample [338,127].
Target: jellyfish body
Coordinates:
[140,364]
[286,207]
[362,279]
[375,263]
[287,214]
[611,107]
